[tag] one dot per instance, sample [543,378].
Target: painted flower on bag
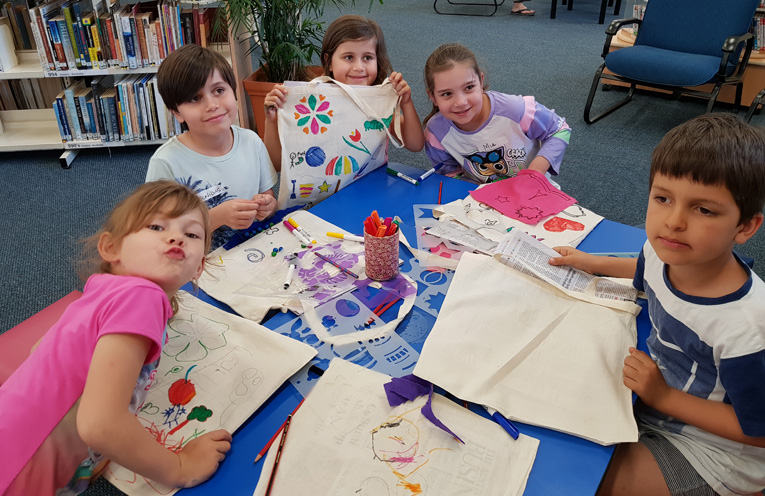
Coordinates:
[355,136]
[311,113]
[194,338]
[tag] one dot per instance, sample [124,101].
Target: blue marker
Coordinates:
[431,171]
[506,424]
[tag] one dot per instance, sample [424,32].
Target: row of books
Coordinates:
[125,108]
[16,14]
[758,30]
[73,35]
[25,94]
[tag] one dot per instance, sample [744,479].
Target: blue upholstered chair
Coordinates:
[680,44]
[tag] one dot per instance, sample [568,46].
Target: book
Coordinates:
[143,21]
[162,112]
[41,42]
[66,41]
[88,127]
[94,43]
[63,117]
[129,40]
[61,131]
[45,12]
[110,114]
[150,83]
[73,36]
[61,61]
[71,106]
[79,9]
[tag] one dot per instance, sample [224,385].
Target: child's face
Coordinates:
[355,62]
[458,94]
[693,224]
[167,251]
[212,110]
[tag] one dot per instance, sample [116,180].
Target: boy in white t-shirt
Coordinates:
[226,165]
[701,411]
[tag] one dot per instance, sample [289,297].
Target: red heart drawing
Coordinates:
[559,224]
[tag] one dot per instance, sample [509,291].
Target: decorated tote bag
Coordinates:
[332,134]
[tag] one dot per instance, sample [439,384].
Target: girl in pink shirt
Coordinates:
[70,407]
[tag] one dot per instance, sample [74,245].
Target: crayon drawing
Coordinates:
[216,370]
[369,448]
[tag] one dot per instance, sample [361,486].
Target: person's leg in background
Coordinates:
[520,9]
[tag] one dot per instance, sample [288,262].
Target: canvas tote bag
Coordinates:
[332,134]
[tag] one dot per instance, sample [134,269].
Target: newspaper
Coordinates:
[524,253]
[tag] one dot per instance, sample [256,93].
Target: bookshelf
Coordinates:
[30,130]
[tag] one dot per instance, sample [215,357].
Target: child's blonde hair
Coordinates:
[354,28]
[134,212]
[444,58]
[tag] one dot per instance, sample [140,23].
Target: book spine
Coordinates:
[127,35]
[161,110]
[61,131]
[66,43]
[95,132]
[112,107]
[81,35]
[137,25]
[40,35]
[98,50]
[73,37]
[72,114]
[106,111]
[195,24]
[98,111]
[136,41]
[59,59]
[160,40]
[114,42]
[80,120]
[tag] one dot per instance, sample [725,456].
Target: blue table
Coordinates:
[564,464]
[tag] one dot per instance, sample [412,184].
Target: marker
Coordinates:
[402,176]
[301,230]
[290,273]
[336,265]
[502,421]
[349,237]
[431,171]
[297,233]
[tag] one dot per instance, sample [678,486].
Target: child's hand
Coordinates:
[402,87]
[642,375]
[200,457]
[572,257]
[275,99]
[266,205]
[236,214]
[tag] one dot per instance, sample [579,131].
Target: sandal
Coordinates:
[523,12]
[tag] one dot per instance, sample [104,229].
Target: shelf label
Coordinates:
[91,144]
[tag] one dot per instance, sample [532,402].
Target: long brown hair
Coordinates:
[444,58]
[354,28]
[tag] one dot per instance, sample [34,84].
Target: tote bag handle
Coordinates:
[364,106]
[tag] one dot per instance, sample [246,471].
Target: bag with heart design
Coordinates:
[331,135]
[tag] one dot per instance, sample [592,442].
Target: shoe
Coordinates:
[523,12]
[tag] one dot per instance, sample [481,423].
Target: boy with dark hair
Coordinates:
[226,165]
[701,410]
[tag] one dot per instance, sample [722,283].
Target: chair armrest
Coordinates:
[730,45]
[613,28]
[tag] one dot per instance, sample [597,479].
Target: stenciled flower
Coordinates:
[355,136]
[194,338]
[313,113]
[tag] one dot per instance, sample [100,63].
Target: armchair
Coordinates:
[680,44]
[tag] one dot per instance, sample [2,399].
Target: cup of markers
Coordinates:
[380,247]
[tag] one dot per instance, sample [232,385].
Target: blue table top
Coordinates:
[564,464]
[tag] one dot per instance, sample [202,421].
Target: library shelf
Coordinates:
[32,130]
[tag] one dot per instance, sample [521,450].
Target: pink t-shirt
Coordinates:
[45,387]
